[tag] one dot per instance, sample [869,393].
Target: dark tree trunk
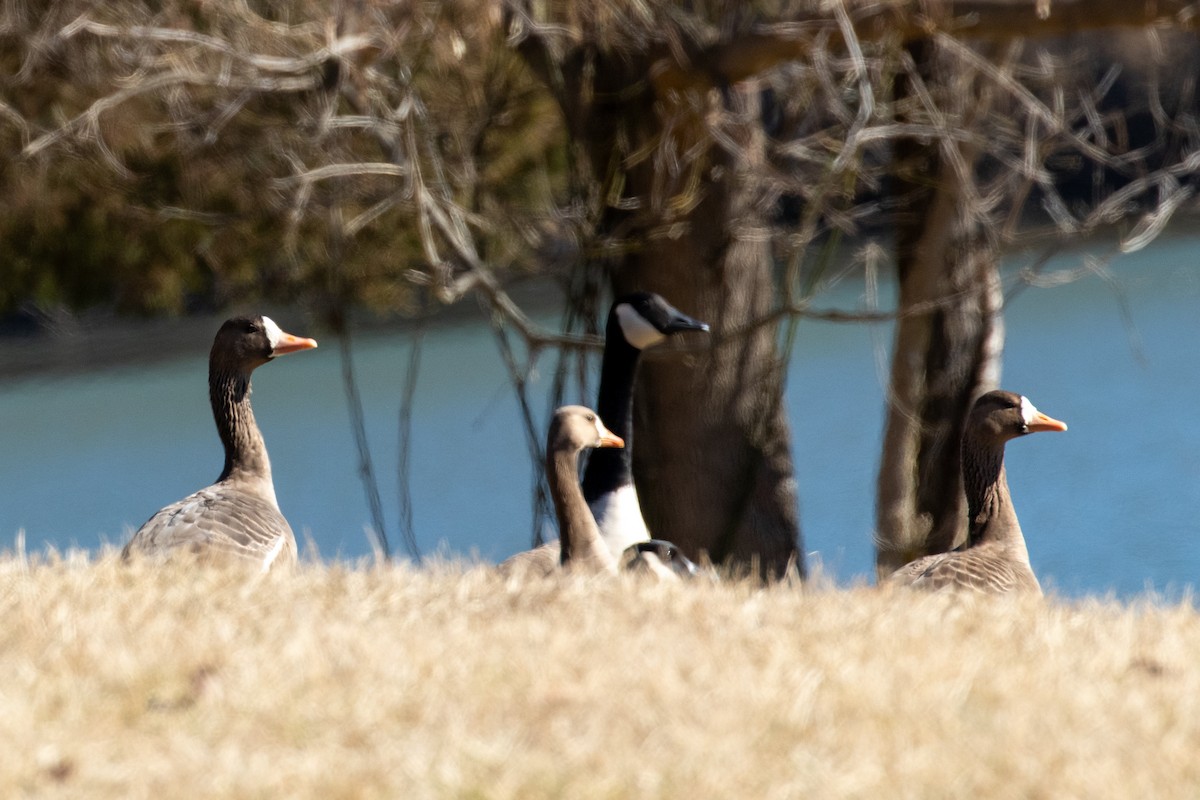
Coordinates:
[947,347]
[712,460]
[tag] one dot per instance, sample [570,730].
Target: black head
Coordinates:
[244,343]
[999,416]
[640,554]
[645,319]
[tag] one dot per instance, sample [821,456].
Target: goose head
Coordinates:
[658,557]
[576,428]
[645,319]
[1000,416]
[245,343]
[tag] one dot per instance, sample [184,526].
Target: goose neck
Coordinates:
[991,516]
[577,530]
[617,374]
[609,469]
[245,451]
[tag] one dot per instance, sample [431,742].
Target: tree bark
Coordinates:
[948,342]
[712,462]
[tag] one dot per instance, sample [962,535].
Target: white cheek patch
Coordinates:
[637,329]
[274,334]
[1028,412]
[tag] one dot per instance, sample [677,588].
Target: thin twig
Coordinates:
[404,468]
[358,425]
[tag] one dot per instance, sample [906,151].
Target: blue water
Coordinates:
[1111,506]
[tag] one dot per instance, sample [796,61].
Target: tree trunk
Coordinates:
[712,460]
[949,339]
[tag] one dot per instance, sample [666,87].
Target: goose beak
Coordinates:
[1041,422]
[607,437]
[682,322]
[289,343]
[610,439]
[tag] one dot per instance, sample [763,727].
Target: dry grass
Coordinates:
[450,682]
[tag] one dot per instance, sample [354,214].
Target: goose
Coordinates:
[237,519]
[994,558]
[635,322]
[573,429]
[660,558]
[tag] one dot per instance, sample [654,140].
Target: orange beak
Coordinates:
[289,343]
[607,437]
[1043,423]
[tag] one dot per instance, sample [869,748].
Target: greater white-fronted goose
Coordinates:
[237,519]
[994,558]
[635,322]
[573,429]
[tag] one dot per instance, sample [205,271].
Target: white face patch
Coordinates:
[1028,412]
[274,334]
[637,329]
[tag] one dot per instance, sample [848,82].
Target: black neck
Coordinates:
[608,469]
[245,452]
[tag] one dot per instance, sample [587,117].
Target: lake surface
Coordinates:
[1111,506]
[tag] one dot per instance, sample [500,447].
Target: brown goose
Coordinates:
[237,519]
[572,430]
[994,558]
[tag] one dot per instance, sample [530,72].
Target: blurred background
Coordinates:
[1107,507]
[881,214]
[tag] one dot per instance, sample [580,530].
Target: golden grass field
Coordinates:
[448,681]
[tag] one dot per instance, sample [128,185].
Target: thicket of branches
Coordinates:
[165,156]
[398,156]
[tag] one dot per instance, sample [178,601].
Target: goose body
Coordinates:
[635,322]
[236,519]
[994,559]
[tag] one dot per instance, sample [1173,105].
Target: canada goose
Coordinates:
[994,558]
[660,558]
[572,430]
[237,518]
[635,322]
